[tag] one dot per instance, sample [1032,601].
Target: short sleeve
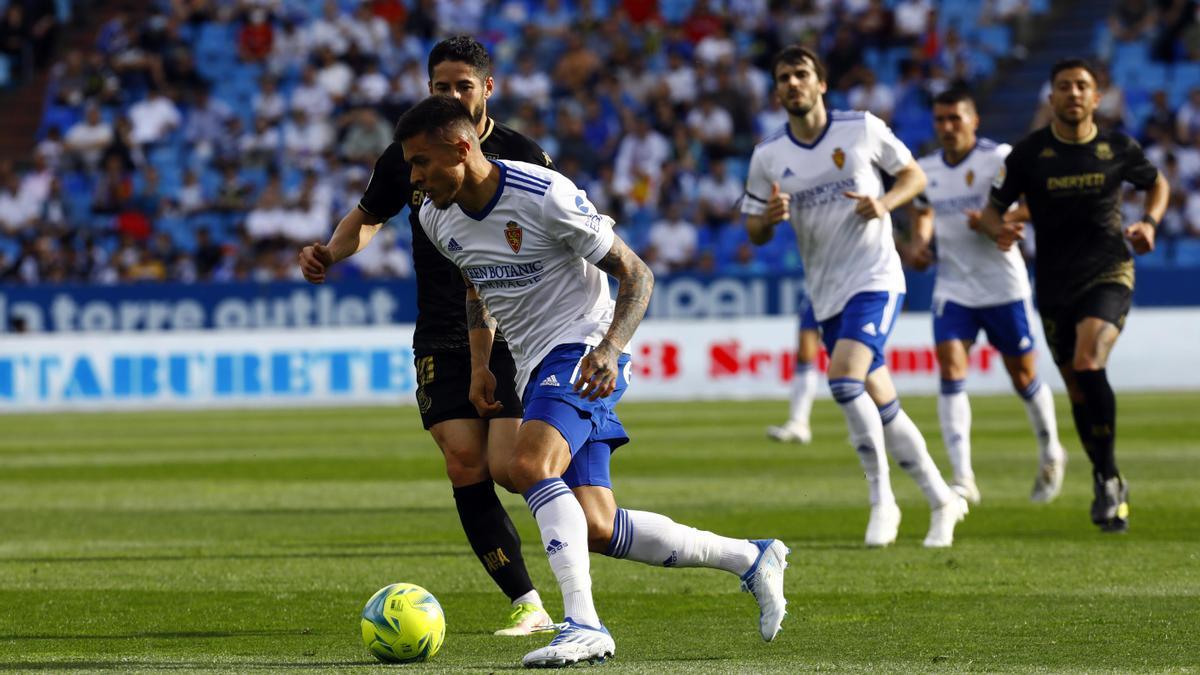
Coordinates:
[570,217]
[1007,186]
[758,186]
[887,152]
[1136,168]
[388,189]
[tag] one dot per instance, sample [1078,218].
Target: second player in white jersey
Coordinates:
[846,157]
[527,253]
[970,270]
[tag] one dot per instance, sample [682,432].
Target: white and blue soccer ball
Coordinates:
[403,623]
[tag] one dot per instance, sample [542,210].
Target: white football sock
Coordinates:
[564,538]
[954,415]
[866,435]
[804,390]
[655,539]
[905,443]
[1039,405]
[531,597]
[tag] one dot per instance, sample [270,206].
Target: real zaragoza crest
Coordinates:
[970,177]
[1104,151]
[839,157]
[513,234]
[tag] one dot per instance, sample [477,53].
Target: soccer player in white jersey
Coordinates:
[797,428]
[534,253]
[977,287]
[821,172]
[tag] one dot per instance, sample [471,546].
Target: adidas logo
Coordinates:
[551,381]
[1025,343]
[555,546]
[453,245]
[670,562]
[869,329]
[788,173]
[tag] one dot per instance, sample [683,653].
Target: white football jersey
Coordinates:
[531,253]
[971,271]
[843,254]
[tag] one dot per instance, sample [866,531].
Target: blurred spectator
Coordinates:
[680,79]
[17,212]
[1187,120]
[719,193]
[14,38]
[712,125]
[233,193]
[367,135]
[910,17]
[529,83]
[325,32]
[769,118]
[843,58]
[1018,16]
[305,139]
[875,25]
[1161,117]
[87,139]
[114,188]
[260,146]
[1111,112]
[371,86]
[267,102]
[153,118]
[1132,20]
[716,47]
[310,96]
[256,37]
[639,161]
[369,33]
[675,239]
[577,66]
[190,198]
[206,122]
[51,148]
[872,95]
[334,76]
[463,17]
[384,257]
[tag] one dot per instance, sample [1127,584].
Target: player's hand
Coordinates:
[974,219]
[917,255]
[777,206]
[598,372]
[314,261]
[1141,236]
[483,393]
[868,207]
[1009,234]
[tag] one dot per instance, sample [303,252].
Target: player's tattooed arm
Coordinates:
[598,371]
[481,331]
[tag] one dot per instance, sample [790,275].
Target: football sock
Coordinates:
[866,434]
[1039,405]
[493,537]
[1083,427]
[531,597]
[1101,406]
[655,539]
[564,538]
[954,416]
[905,443]
[804,389]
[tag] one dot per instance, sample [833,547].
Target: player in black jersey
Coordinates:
[1071,174]
[475,449]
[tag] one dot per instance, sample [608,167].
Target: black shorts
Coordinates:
[444,384]
[1109,302]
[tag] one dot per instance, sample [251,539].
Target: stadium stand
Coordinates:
[206,140]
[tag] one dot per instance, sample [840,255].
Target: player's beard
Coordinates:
[478,113]
[800,110]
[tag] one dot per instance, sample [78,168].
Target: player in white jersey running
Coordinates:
[977,287]
[798,427]
[535,254]
[821,172]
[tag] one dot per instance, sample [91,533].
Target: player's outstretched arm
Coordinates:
[916,253]
[351,235]
[481,331]
[598,370]
[910,182]
[995,226]
[1141,233]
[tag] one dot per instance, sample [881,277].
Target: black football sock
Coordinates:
[493,537]
[1101,419]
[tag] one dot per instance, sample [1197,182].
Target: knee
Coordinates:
[1086,360]
[465,465]
[1022,379]
[525,470]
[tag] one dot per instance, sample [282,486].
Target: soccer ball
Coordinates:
[403,623]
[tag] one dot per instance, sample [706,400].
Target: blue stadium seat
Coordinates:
[5,71]
[1187,252]
[997,40]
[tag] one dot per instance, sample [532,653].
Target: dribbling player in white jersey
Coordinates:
[977,287]
[533,248]
[821,172]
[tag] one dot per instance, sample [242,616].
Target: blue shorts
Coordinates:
[867,318]
[1007,326]
[591,428]
[808,320]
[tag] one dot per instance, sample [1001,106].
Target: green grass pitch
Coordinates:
[250,540]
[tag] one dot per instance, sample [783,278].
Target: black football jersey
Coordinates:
[1073,191]
[441,293]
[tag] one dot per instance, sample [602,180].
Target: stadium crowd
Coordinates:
[209,139]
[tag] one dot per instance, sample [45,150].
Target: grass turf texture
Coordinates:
[249,541]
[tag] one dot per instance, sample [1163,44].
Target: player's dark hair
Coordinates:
[437,113]
[465,49]
[796,54]
[1068,64]
[954,96]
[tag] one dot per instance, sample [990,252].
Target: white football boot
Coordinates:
[791,431]
[884,525]
[574,643]
[527,618]
[764,580]
[942,521]
[1049,480]
[965,487]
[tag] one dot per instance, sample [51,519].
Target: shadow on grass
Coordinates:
[173,635]
[176,557]
[236,666]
